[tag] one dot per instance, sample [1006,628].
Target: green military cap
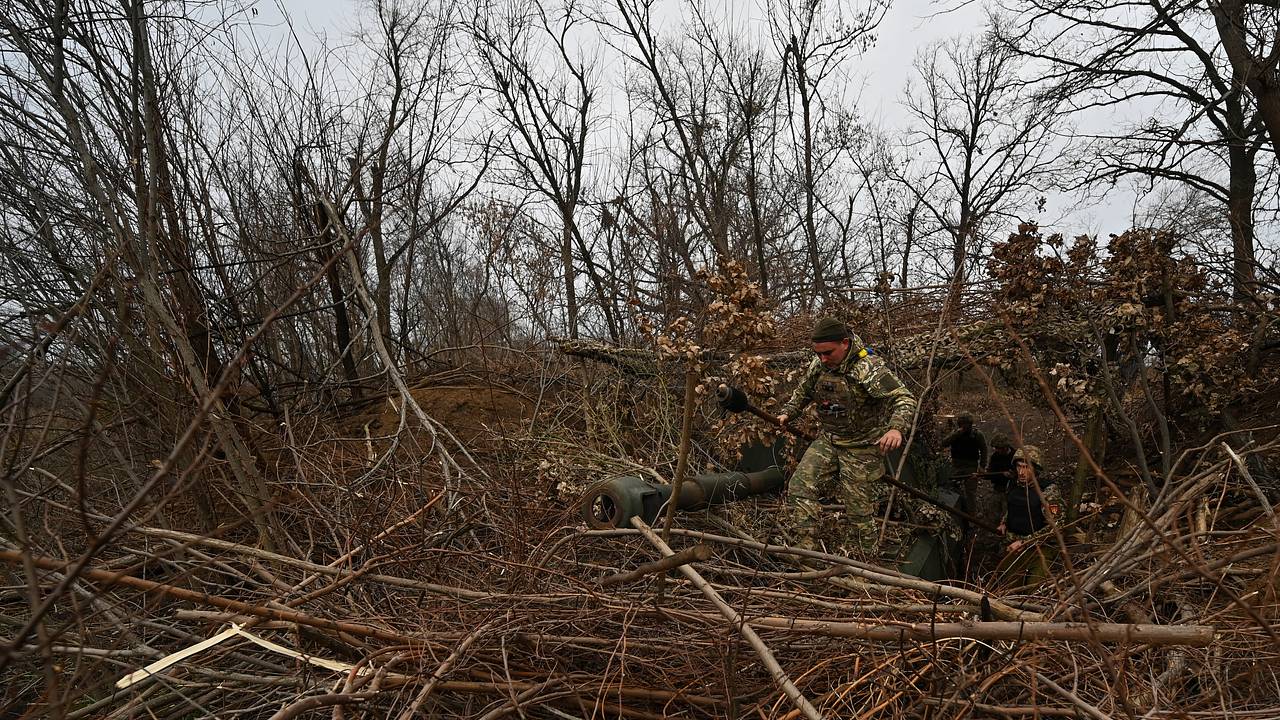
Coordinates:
[829,329]
[1029,453]
[964,416]
[1001,440]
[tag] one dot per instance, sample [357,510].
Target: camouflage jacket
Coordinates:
[858,401]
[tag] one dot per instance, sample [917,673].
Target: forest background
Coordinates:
[254,284]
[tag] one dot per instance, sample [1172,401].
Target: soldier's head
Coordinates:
[1026,461]
[1000,443]
[831,341]
[964,419]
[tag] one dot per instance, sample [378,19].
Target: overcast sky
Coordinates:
[882,73]
[875,80]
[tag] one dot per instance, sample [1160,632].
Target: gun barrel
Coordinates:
[613,503]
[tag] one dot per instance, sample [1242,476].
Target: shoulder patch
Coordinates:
[879,377]
[886,382]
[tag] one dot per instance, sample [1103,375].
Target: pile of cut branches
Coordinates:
[401,584]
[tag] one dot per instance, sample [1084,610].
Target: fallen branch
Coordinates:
[318,701]
[1035,711]
[443,670]
[1253,484]
[114,578]
[698,553]
[883,576]
[766,656]
[1144,634]
[1076,700]
[338,572]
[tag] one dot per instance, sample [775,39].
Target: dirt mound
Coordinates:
[473,413]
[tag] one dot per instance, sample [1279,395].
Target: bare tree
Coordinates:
[702,134]
[756,90]
[1245,29]
[815,39]
[549,120]
[1169,63]
[988,139]
[895,212]
[420,117]
[126,142]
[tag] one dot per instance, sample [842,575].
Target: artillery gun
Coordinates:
[929,555]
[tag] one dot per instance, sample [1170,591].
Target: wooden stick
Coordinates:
[1244,472]
[766,656]
[537,693]
[610,690]
[319,701]
[882,576]
[443,670]
[1137,634]
[682,461]
[1076,700]
[699,553]
[1004,710]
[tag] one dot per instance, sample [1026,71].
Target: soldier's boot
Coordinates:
[804,523]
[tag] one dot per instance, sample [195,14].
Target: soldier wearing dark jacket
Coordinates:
[1000,467]
[968,446]
[1032,508]
[990,501]
[865,412]
[1031,502]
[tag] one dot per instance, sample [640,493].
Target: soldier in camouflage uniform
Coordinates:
[864,411]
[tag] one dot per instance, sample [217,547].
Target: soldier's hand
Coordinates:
[889,442]
[1002,529]
[1015,546]
[782,419]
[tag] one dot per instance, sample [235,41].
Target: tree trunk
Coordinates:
[959,253]
[810,183]
[1243,187]
[406,287]
[570,278]
[757,222]
[187,329]
[603,297]
[371,208]
[342,327]
[1260,75]
[909,233]
[1095,440]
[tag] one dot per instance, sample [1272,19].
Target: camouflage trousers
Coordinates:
[849,475]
